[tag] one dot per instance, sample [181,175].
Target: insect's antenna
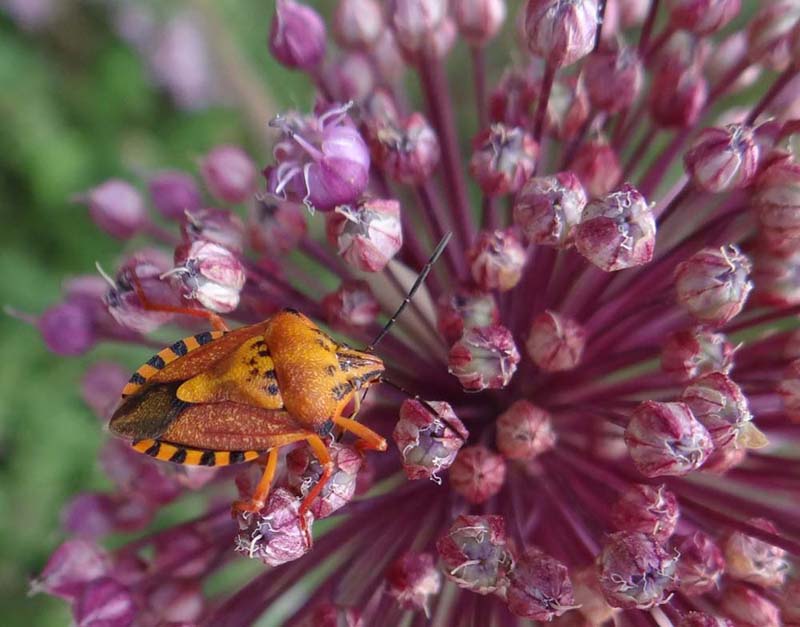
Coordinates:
[422,402]
[419,281]
[601,13]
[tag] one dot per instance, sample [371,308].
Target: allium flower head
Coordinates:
[581,415]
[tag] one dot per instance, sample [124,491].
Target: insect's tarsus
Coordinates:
[601,13]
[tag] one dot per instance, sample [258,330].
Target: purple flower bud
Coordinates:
[748,608]
[618,231]
[722,159]
[691,353]
[568,108]
[777,198]
[789,391]
[406,149]
[769,34]
[133,473]
[725,457]
[351,306]
[97,514]
[175,602]
[555,343]
[539,588]
[512,100]
[700,566]
[496,260]
[647,508]
[328,614]
[713,284]
[464,308]
[297,36]
[548,208]
[721,406]
[703,17]
[305,471]
[666,439]
[276,534]
[678,92]
[776,278]
[475,553]
[561,32]
[428,443]
[598,168]
[104,603]
[613,78]
[723,57]
[174,194]
[276,225]
[322,161]
[358,23]
[229,174]
[368,234]
[209,274]
[67,329]
[699,619]
[415,24]
[219,226]
[636,572]
[524,431]
[484,357]
[353,77]
[755,561]
[633,12]
[477,474]
[479,21]
[184,552]
[503,158]
[71,566]
[412,580]
[117,207]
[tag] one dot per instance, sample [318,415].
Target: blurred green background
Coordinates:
[79,104]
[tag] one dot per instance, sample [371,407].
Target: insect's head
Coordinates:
[360,368]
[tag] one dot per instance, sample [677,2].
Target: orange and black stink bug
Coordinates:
[225,397]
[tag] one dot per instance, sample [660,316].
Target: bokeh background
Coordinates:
[93,89]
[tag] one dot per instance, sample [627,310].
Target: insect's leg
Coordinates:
[261,493]
[368,440]
[217,323]
[321,452]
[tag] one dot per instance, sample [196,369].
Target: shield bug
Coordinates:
[227,396]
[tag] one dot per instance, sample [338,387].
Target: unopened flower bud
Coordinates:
[352,305]
[617,231]
[428,443]
[104,602]
[512,100]
[747,608]
[463,308]
[724,55]
[722,159]
[666,439]
[699,619]
[174,194]
[71,566]
[297,36]
[413,580]
[118,208]
[678,94]
[415,23]
[214,225]
[777,198]
[524,431]
[305,471]
[636,572]
[598,168]
[479,21]
[769,33]
[229,174]
[613,79]
[209,274]
[789,391]
[539,587]
[67,329]
[100,386]
[503,158]
[368,234]
[94,515]
[353,77]
[650,509]
[701,564]
[175,602]
[561,32]
[567,109]
[329,614]
[484,357]
[406,149]
[187,552]
[475,553]
[753,560]
[691,353]
[555,343]
[275,535]
[702,17]
[358,23]
[477,474]
[496,260]
[713,284]
[548,208]
[133,473]
[276,225]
